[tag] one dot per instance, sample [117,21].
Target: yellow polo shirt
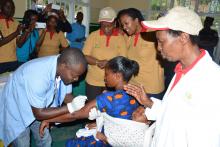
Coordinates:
[51,44]
[8,51]
[141,48]
[102,47]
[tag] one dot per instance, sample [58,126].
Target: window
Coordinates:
[202,7]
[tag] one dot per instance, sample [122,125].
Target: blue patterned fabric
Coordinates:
[117,104]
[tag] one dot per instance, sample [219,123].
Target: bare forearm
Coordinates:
[81,114]
[48,113]
[91,60]
[9,38]
[62,118]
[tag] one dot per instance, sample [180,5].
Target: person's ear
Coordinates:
[184,38]
[136,20]
[118,76]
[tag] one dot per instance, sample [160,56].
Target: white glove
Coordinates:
[94,113]
[77,103]
[85,132]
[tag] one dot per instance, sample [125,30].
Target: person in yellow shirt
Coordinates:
[51,39]
[100,46]
[141,45]
[9,30]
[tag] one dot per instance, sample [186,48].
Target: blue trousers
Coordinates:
[23,140]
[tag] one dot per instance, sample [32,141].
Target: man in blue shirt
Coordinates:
[34,92]
[77,36]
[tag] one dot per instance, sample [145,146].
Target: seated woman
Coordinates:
[116,103]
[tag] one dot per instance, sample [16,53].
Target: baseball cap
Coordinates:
[107,14]
[178,19]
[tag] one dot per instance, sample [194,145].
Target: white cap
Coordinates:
[178,19]
[107,14]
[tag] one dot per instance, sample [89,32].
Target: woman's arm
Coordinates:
[10,37]
[23,38]
[91,60]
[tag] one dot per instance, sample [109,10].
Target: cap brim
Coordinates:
[106,20]
[154,25]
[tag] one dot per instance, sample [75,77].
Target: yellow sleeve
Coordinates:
[87,49]
[63,41]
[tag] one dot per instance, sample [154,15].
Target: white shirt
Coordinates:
[189,115]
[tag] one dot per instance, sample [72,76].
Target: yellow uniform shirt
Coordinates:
[102,47]
[8,51]
[141,48]
[51,44]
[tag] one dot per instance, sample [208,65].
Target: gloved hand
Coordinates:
[77,103]
[94,113]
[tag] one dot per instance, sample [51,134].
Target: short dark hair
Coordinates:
[125,66]
[132,12]
[27,16]
[3,3]
[193,38]
[71,56]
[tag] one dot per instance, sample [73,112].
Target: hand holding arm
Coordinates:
[139,93]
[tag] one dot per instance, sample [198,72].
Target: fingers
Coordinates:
[42,127]
[132,89]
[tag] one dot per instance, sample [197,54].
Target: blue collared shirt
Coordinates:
[78,32]
[32,84]
[28,47]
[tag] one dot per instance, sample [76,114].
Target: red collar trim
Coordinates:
[179,71]
[6,20]
[114,33]
[179,67]
[138,34]
[51,34]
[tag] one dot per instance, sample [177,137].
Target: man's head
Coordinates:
[107,17]
[79,17]
[8,8]
[177,29]
[70,65]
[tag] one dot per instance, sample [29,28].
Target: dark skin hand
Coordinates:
[101,137]
[12,36]
[93,61]
[62,16]
[91,125]
[68,117]
[101,63]
[139,93]
[22,39]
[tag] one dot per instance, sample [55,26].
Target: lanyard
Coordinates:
[57,92]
